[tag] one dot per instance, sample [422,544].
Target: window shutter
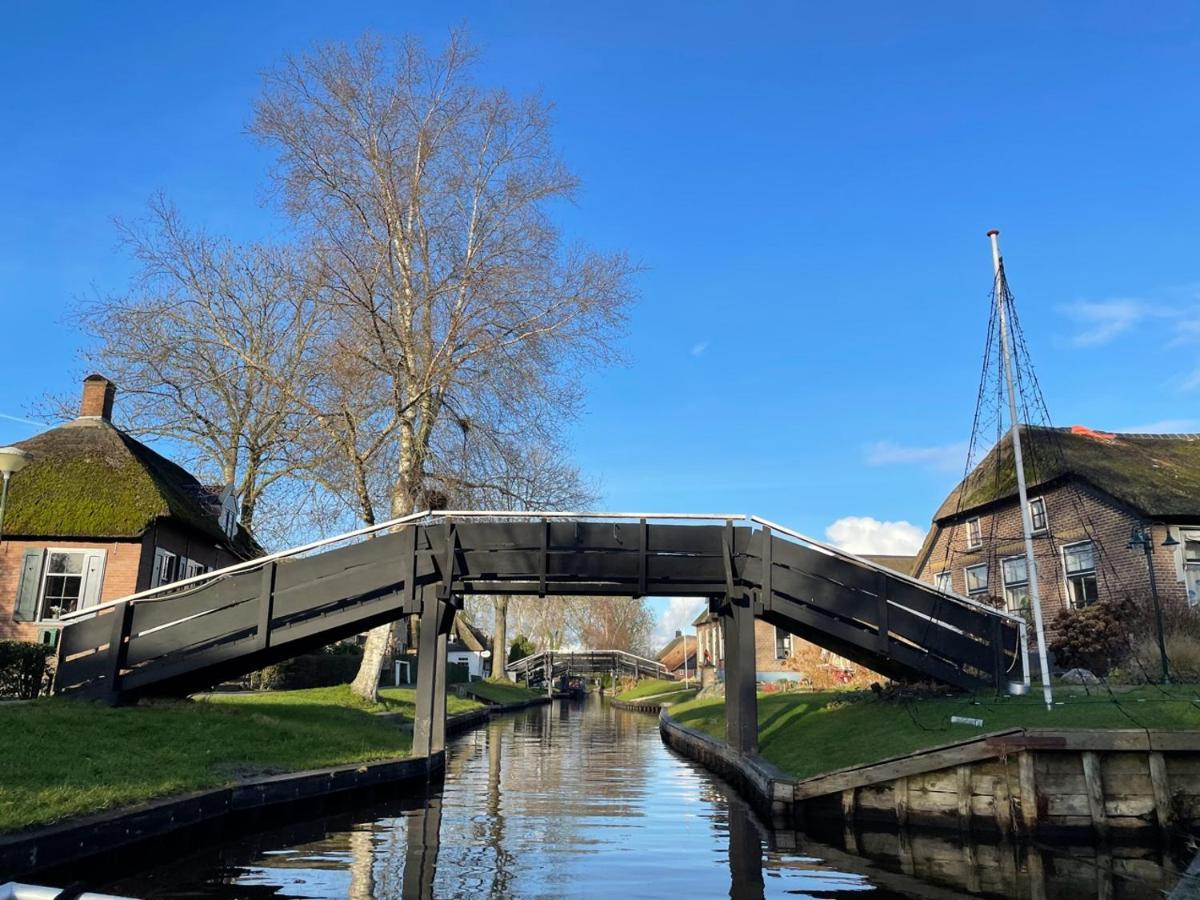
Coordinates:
[29,586]
[93,578]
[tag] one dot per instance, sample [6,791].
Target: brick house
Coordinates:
[97,515]
[781,656]
[1087,492]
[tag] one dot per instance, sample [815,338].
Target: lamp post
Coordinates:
[1142,536]
[12,459]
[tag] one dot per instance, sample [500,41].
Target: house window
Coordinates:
[191,568]
[164,567]
[783,644]
[976,578]
[1015,571]
[941,582]
[1037,513]
[62,588]
[1191,565]
[974,534]
[1079,564]
[56,582]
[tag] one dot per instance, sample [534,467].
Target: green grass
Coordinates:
[501,691]
[809,734]
[648,687]
[61,758]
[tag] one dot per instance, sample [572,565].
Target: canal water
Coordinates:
[576,799]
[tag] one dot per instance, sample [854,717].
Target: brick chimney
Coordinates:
[98,394]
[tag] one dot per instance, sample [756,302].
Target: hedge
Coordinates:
[24,669]
[307,671]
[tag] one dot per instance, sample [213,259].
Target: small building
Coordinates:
[469,647]
[97,515]
[1088,492]
[679,655]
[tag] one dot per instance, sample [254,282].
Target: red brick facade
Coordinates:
[122,565]
[1075,513]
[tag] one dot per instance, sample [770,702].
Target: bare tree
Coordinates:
[202,347]
[612,623]
[428,201]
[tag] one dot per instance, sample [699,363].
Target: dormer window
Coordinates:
[974,534]
[1037,513]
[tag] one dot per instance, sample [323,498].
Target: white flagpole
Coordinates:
[1018,461]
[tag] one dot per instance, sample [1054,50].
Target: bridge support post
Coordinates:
[429,725]
[741,676]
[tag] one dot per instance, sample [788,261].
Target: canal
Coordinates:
[577,799]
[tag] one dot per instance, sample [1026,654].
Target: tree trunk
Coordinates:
[500,637]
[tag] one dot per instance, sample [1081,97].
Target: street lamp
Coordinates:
[12,459]
[1142,536]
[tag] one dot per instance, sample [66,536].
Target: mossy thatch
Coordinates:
[1158,475]
[88,479]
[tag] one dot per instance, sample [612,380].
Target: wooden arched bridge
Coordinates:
[535,668]
[192,634]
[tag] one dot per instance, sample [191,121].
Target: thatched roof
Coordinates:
[1155,474]
[88,479]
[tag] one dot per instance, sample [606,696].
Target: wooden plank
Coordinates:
[1161,789]
[88,634]
[1095,783]
[1002,805]
[194,633]
[901,800]
[964,797]
[1029,798]
[218,594]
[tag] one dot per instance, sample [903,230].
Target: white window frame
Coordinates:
[785,644]
[84,585]
[1008,604]
[162,555]
[192,568]
[1040,501]
[967,579]
[1067,576]
[944,582]
[974,541]
[1189,572]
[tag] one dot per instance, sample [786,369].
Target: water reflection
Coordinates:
[581,800]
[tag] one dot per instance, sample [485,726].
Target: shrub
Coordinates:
[1145,663]
[520,648]
[310,670]
[1095,638]
[24,669]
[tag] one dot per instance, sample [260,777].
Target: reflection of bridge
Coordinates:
[533,669]
[189,635]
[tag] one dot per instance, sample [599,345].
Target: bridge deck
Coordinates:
[185,637]
[533,668]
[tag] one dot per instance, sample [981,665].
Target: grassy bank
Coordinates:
[63,758]
[501,691]
[651,687]
[809,734]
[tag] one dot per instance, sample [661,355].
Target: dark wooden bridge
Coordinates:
[190,635]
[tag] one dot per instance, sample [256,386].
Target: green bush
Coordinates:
[308,671]
[520,648]
[1095,637]
[24,669]
[457,673]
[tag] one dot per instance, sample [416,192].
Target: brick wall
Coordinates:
[1075,512]
[121,569]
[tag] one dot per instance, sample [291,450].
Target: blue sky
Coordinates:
[807,187]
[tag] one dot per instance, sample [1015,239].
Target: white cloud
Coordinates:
[864,534]
[1103,320]
[1162,426]
[944,458]
[699,349]
[677,616]
[1191,381]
